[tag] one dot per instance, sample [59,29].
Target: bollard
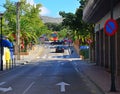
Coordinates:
[12,63]
[6,64]
[9,64]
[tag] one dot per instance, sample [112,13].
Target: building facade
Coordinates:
[98,12]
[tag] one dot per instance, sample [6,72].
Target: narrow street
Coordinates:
[59,47]
[51,73]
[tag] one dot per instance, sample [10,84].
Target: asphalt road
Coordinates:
[51,73]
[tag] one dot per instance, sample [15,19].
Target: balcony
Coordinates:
[94,10]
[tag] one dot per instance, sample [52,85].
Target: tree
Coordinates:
[62,33]
[9,19]
[75,23]
[54,26]
[31,26]
[81,31]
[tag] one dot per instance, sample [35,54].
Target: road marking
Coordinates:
[5,89]
[70,59]
[2,83]
[49,57]
[59,61]
[38,57]
[62,86]
[44,56]
[62,63]
[28,87]
[77,70]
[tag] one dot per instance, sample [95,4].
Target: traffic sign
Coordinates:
[110,27]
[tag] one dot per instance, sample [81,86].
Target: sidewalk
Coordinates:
[98,75]
[33,54]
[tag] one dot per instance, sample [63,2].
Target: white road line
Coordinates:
[28,87]
[44,56]
[38,57]
[5,89]
[77,70]
[59,61]
[2,83]
[62,63]
[49,57]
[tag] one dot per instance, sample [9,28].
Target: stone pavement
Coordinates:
[33,54]
[98,75]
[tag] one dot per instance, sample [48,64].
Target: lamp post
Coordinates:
[1,14]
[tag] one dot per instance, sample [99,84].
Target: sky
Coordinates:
[52,7]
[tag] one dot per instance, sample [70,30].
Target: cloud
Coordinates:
[31,2]
[44,11]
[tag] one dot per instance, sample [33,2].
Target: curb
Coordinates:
[93,82]
[89,80]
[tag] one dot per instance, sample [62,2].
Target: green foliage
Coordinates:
[62,33]
[80,30]
[54,26]
[69,19]
[82,2]
[45,31]
[85,53]
[31,26]
[10,17]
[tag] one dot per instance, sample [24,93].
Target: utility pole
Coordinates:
[18,30]
[112,55]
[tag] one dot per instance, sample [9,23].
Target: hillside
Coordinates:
[47,19]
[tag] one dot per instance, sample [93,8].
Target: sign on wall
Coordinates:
[110,27]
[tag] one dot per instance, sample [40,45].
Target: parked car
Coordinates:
[59,42]
[59,49]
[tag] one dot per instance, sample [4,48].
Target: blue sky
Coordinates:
[52,7]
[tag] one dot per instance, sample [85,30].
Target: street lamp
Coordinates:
[1,14]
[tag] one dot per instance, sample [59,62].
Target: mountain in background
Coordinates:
[47,19]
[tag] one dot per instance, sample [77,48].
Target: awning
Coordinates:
[6,43]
